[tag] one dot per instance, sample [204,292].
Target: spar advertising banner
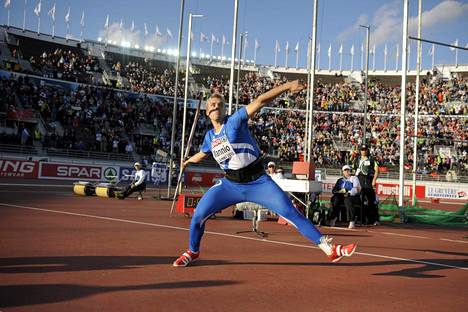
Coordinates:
[64,171]
[12,168]
[449,191]
[157,174]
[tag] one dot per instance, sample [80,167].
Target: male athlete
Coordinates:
[237,153]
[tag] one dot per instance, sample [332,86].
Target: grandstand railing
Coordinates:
[88,154]
[17,149]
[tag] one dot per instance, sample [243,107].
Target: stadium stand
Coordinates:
[75,102]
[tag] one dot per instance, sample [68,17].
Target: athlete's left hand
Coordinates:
[296,86]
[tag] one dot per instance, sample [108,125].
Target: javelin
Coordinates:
[187,151]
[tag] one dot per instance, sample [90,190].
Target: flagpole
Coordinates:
[385,59]
[297,57]
[39,24]
[456,55]
[416,105]
[397,54]
[287,52]
[352,59]
[311,84]
[276,53]
[373,58]
[53,29]
[233,55]
[8,18]
[318,57]
[211,48]
[404,60]
[243,49]
[24,15]
[255,52]
[433,55]
[222,48]
[341,57]
[362,56]
[329,58]
[174,105]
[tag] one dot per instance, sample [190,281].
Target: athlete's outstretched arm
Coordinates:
[292,86]
[195,158]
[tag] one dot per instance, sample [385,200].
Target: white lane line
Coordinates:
[454,240]
[398,234]
[229,235]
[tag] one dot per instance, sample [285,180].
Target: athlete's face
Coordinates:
[215,109]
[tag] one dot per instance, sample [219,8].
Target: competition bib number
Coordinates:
[222,149]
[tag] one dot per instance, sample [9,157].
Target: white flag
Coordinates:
[158,33]
[121,24]
[37,9]
[133,26]
[67,17]
[146,30]
[287,46]
[106,25]
[397,50]
[351,51]
[224,39]
[203,37]
[82,19]
[7,4]
[213,38]
[455,44]
[341,49]
[297,47]
[169,33]
[52,13]
[277,46]
[431,50]
[373,50]
[329,50]
[257,45]
[385,50]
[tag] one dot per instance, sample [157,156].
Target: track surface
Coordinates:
[61,252]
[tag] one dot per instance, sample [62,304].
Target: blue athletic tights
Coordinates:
[263,191]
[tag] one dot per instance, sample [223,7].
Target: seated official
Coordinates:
[138,183]
[346,192]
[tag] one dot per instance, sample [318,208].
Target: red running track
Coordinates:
[61,252]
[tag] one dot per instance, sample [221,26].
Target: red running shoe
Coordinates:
[340,251]
[186,258]
[336,252]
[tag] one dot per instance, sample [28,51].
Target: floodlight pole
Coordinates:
[174,106]
[311,85]
[233,55]
[404,62]
[364,130]
[416,106]
[187,69]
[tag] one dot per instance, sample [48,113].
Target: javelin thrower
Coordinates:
[237,153]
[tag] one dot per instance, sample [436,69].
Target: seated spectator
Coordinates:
[138,183]
[345,192]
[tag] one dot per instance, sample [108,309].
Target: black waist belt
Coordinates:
[247,174]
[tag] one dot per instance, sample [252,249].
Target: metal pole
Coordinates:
[233,55]
[239,64]
[364,130]
[187,69]
[306,130]
[311,83]
[416,105]
[404,61]
[176,88]
[24,15]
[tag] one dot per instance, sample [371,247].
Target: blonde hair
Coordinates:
[216,96]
